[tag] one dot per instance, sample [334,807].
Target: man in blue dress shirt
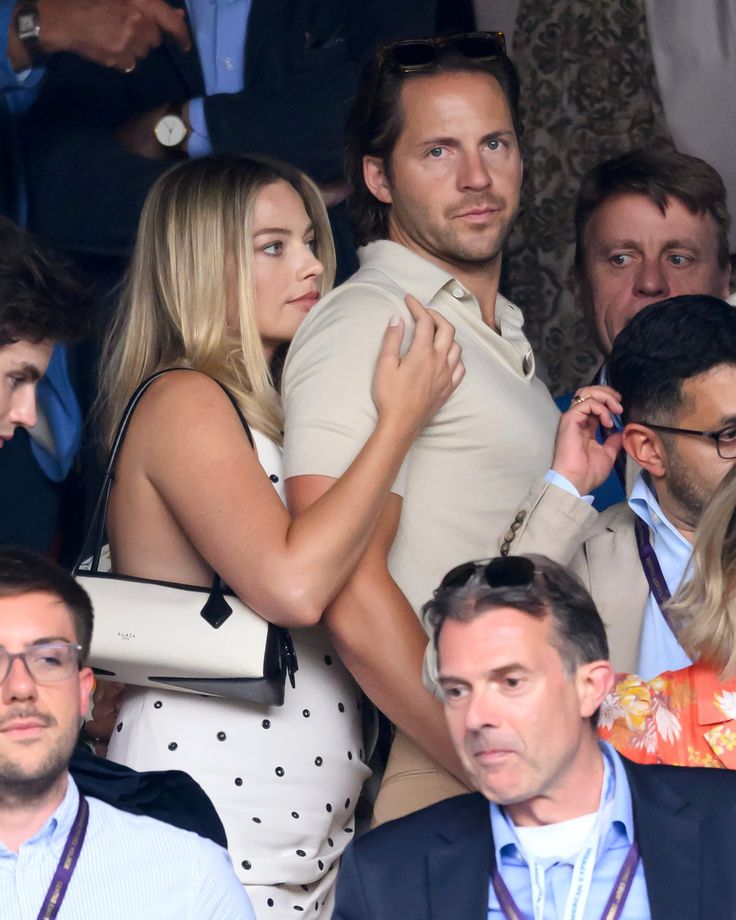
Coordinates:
[562,826]
[674,366]
[58,847]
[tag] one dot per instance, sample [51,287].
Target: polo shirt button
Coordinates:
[458,292]
[509,536]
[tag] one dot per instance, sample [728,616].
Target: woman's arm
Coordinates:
[200,464]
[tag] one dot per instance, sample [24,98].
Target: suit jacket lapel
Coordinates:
[669,838]
[459,868]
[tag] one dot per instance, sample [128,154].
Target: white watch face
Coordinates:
[170,131]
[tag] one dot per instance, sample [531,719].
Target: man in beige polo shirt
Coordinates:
[434,161]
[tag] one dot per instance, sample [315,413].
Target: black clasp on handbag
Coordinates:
[288,656]
[216,610]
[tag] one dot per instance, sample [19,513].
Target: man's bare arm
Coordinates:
[377,634]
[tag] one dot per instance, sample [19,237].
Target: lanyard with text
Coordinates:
[653,571]
[67,863]
[582,874]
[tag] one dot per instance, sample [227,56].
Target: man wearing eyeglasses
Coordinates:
[61,852]
[649,224]
[562,827]
[434,161]
[674,367]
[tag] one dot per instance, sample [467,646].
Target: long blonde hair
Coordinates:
[198,217]
[705,607]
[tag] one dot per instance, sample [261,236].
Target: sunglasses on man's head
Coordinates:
[501,572]
[412,55]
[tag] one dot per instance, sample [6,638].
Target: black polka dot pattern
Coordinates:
[303,745]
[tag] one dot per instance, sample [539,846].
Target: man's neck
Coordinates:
[20,819]
[481,278]
[680,519]
[577,793]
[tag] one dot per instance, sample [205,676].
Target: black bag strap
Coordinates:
[99,515]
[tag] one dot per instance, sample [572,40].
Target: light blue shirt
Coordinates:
[130,868]
[18,91]
[219,28]
[612,849]
[659,649]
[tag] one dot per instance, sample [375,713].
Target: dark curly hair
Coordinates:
[39,298]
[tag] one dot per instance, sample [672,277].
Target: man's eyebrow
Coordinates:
[27,370]
[448,141]
[684,242]
[48,640]
[494,673]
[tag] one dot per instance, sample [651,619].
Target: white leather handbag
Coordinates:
[175,636]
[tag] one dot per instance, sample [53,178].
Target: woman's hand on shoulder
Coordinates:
[413,387]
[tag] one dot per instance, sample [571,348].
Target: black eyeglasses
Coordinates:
[725,438]
[501,572]
[46,663]
[415,54]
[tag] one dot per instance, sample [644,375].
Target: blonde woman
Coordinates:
[231,255]
[688,717]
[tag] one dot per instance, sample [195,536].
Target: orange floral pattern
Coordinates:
[686,718]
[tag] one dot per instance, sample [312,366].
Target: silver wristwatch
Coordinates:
[28,29]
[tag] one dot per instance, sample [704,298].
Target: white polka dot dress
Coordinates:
[284,779]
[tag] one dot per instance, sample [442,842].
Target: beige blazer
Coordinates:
[599,548]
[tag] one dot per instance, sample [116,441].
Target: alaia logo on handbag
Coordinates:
[126,636]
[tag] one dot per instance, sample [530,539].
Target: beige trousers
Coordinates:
[412,781]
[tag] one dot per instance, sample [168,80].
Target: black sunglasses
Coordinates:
[415,54]
[501,572]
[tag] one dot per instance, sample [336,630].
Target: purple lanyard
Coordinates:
[653,571]
[67,863]
[614,904]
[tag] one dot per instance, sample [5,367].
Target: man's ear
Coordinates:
[595,680]
[645,447]
[375,178]
[86,688]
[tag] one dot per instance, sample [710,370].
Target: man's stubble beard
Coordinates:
[449,246]
[683,488]
[19,786]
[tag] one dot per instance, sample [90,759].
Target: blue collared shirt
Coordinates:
[219,28]
[659,649]
[612,849]
[130,868]
[18,91]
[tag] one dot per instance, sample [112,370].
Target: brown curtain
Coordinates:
[588,92]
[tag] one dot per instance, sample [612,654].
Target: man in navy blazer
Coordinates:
[559,817]
[89,142]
